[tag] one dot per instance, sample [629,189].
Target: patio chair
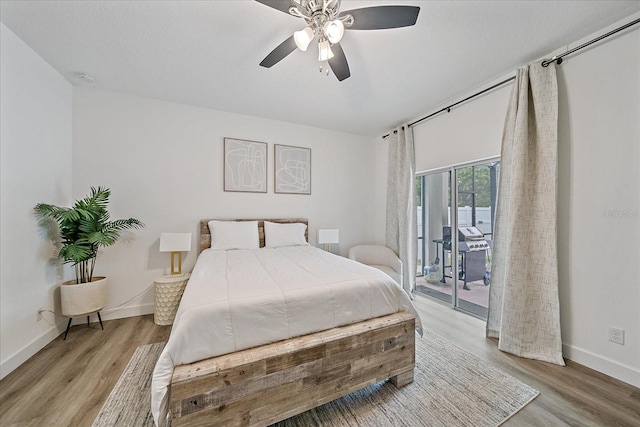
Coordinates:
[380,257]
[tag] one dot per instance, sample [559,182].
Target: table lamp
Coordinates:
[176,243]
[327,236]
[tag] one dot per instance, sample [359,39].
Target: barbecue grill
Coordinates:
[470,239]
[472,247]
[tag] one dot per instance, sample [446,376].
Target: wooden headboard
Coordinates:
[205,234]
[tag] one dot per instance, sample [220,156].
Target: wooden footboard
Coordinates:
[263,385]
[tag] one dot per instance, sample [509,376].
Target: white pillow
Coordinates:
[278,235]
[234,234]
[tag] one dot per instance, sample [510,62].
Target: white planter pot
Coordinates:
[83,298]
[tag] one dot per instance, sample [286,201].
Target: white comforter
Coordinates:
[245,298]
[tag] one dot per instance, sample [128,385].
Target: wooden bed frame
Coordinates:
[267,384]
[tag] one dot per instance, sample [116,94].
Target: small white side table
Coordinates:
[168,292]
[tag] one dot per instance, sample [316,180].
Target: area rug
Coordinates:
[129,403]
[451,387]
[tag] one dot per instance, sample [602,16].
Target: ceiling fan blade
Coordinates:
[279,53]
[382,17]
[281,5]
[338,63]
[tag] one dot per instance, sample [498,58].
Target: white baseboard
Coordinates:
[120,312]
[18,358]
[617,370]
[128,311]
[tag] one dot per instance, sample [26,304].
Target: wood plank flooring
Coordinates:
[573,395]
[67,382]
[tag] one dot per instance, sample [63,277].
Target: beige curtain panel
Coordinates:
[401,227]
[524,312]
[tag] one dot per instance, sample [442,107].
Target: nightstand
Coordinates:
[168,292]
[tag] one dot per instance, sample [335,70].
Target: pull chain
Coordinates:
[326,68]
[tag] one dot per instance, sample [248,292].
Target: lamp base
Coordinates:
[176,271]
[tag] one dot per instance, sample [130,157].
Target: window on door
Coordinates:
[454,264]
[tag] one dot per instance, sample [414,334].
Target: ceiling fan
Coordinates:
[325,21]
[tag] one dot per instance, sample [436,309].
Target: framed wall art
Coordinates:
[292,169]
[245,166]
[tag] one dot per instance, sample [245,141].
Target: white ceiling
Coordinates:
[206,53]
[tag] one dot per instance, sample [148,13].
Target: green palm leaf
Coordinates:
[84,228]
[76,252]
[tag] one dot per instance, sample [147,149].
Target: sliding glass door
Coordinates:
[454,245]
[477,195]
[434,219]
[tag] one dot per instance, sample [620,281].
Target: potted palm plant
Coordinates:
[83,229]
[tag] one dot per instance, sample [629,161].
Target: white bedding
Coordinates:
[240,299]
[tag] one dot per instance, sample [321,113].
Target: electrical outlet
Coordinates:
[616,335]
[39,314]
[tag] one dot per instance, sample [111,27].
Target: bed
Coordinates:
[264,333]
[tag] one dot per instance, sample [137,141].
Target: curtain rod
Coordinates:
[448,108]
[545,63]
[558,58]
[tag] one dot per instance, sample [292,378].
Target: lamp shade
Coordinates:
[334,30]
[328,235]
[175,242]
[324,51]
[303,38]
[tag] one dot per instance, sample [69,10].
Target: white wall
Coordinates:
[35,153]
[381,148]
[598,164]
[163,164]
[599,204]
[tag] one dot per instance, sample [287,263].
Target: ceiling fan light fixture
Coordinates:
[324,20]
[334,30]
[303,38]
[324,51]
